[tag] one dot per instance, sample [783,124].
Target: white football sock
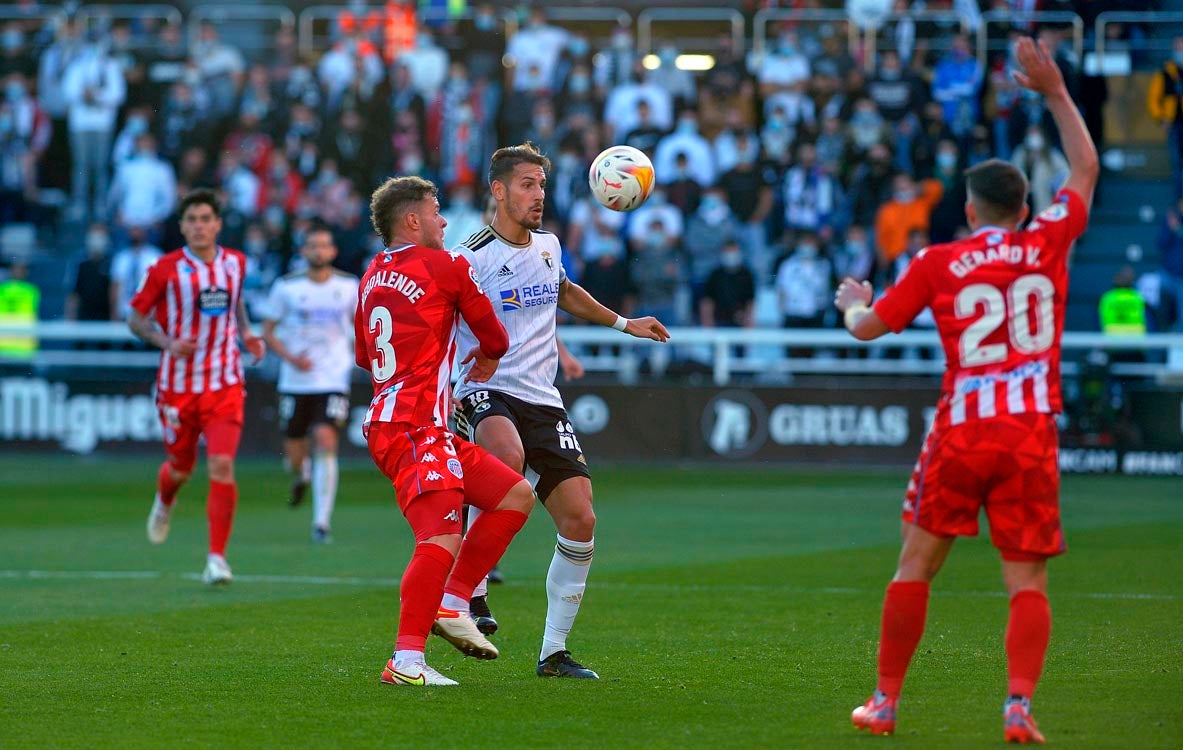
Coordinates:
[482,588]
[565,582]
[451,601]
[403,658]
[306,469]
[324,489]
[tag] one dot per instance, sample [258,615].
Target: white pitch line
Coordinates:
[531,583]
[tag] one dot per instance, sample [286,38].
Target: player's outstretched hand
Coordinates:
[1040,72]
[482,367]
[257,348]
[851,293]
[182,348]
[647,328]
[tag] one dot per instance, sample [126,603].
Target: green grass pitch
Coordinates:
[732,608]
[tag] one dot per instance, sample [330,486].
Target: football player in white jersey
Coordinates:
[518,415]
[309,325]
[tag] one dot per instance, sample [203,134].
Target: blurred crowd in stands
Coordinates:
[776,174]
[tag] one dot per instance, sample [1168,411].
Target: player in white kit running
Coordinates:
[309,325]
[518,415]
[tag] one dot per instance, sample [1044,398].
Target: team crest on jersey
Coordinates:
[482,407]
[550,263]
[511,299]
[1054,212]
[455,468]
[213,301]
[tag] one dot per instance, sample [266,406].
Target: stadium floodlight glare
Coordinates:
[695,63]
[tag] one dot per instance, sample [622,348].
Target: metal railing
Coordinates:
[986,44]
[646,19]
[728,351]
[771,15]
[280,15]
[562,15]
[1154,17]
[89,15]
[871,45]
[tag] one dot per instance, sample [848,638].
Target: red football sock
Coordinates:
[1027,633]
[483,546]
[219,510]
[420,594]
[904,610]
[166,486]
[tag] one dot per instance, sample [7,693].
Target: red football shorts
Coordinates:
[434,473]
[186,416]
[1009,464]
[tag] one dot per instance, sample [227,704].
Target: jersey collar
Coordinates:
[195,259]
[990,228]
[509,242]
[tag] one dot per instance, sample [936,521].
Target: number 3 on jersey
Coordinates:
[1025,338]
[383,365]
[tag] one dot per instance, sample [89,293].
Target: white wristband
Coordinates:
[621,323]
[847,317]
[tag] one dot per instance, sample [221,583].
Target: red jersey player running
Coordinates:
[409,302]
[998,298]
[190,306]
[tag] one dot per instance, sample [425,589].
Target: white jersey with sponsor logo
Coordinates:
[522,282]
[315,320]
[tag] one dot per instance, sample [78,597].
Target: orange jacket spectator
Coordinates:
[909,208]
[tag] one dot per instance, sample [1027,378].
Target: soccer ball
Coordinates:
[621,178]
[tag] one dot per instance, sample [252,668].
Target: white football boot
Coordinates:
[158,520]
[217,571]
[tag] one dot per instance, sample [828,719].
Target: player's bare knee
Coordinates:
[578,524]
[221,468]
[325,439]
[450,542]
[511,455]
[520,498]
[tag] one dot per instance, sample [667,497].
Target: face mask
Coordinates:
[687,126]
[786,47]
[96,243]
[1034,142]
[621,42]
[485,23]
[12,39]
[807,252]
[947,159]
[137,125]
[255,247]
[1178,57]
[580,84]
[328,175]
[578,47]
[854,247]
[904,196]
[731,260]
[889,74]
[15,91]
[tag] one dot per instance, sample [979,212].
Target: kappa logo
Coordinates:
[429,458]
[433,476]
[455,468]
[428,441]
[453,516]
[504,272]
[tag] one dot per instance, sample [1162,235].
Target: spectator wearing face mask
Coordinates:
[870,186]
[909,209]
[810,195]
[129,266]
[90,296]
[784,71]
[949,213]
[24,138]
[1164,100]
[621,110]
[537,45]
[749,187]
[683,190]
[854,257]
[646,135]
[484,43]
[897,92]
[656,267]
[729,294]
[709,228]
[686,140]
[1045,167]
[804,284]
[462,214]
[957,81]
[680,83]
[95,89]
[145,187]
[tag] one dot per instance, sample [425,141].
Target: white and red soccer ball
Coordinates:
[621,178]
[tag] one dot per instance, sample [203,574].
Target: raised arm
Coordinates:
[1043,76]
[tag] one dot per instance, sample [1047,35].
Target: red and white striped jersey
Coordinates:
[409,303]
[998,298]
[196,300]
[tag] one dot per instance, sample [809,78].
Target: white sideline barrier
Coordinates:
[763,350]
